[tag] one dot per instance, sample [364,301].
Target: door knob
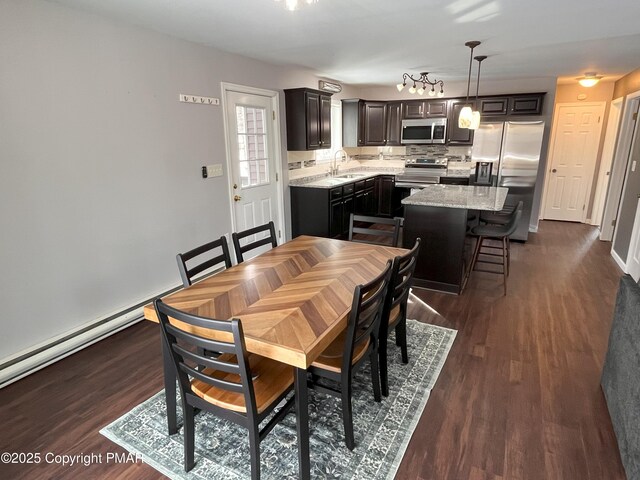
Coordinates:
[554,170]
[237,198]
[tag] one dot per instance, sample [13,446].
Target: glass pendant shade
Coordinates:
[475,120]
[400,86]
[412,89]
[420,91]
[465,118]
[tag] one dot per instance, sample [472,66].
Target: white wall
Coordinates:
[100,182]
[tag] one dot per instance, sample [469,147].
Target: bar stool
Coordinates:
[501,233]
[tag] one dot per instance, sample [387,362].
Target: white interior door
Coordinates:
[633,259]
[252,161]
[574,151]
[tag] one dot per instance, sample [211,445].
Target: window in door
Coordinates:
[252,146]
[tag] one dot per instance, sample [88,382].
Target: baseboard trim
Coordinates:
[44,354]
[618,260]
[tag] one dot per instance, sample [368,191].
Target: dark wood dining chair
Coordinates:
[502,251]
[235,386]
[187,273]
[378,236]
[350,350]
[242,249]
[395,310]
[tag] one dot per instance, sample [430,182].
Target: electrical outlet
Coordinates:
[213,170]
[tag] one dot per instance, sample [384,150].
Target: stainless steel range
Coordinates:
[419,172]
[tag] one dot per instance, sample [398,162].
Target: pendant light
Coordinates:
[475,115]
[464,120]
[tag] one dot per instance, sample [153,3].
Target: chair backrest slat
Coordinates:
[366,312]
[237,237]
[198,341]
[209,380]
[374,233]
[188,351]
[187,273]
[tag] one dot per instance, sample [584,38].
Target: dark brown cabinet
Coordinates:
[394,124]
[417,109]
[386,185]
[325,212]
[374,120]
[373,124]
[526,104]
[455,134]
[493,106]
[308,119]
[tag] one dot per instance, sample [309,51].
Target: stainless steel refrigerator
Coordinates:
[513,149]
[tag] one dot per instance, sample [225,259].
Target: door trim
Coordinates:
[606,161]
[619,168]
[552,145]
[277,148]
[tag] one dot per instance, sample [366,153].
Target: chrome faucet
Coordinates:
[335,168]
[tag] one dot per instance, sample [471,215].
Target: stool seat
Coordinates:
[498,218]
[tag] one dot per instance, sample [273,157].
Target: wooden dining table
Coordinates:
[293,301]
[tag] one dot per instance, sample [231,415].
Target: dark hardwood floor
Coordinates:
[518,398]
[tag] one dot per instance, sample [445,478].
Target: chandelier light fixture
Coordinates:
[475,115]
[292,5]
[424,80]
[589,79]
[466,114]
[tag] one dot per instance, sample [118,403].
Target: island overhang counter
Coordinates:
[439,215]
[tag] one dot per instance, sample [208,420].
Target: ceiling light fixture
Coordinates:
[466,114]
[475,115]
[292,5]
[589,79]
[424,80]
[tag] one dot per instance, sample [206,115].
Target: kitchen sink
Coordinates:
[351,175]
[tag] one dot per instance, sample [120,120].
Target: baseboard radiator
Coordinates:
[40,356]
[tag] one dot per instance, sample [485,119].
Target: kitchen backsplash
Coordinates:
[306,163]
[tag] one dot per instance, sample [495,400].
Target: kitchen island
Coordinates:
[439,215]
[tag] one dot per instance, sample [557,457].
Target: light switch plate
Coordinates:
[214,170]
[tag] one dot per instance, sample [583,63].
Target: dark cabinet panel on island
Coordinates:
[308,119]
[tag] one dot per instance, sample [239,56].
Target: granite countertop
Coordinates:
[343,178]
[459,196]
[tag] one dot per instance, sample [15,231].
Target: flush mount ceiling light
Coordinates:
[589,79]
[475,115]
[424,80]
[292,5]
[466,114]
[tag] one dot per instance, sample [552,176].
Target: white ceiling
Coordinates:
[372,42]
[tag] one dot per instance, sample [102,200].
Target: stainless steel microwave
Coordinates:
[424,131]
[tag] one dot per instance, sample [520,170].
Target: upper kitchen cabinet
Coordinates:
[372,124]
[526,104]
[308,119]
[417,109]
[493,106]
[455,134]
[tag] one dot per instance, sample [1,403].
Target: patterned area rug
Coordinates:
[382,430]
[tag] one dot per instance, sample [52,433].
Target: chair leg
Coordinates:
[382,355]
[508,256]
[254,449]
[189,436]
[505,268]
[476,253]
[375,374]
[401,334]
[347,418]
